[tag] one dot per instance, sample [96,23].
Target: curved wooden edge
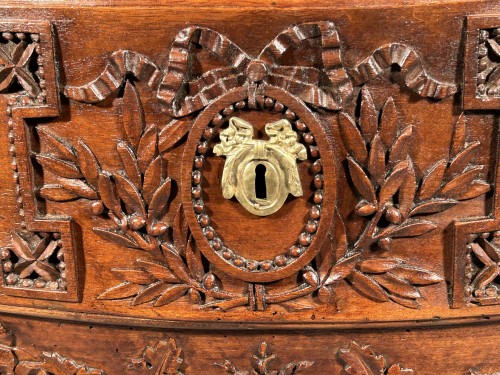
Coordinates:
[98,318]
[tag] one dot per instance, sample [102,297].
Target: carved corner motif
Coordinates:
[482,63]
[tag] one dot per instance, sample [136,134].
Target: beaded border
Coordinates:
[307,234]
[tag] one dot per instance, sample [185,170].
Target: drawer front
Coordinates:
[175,174]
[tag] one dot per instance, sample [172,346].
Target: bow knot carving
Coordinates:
[324,85]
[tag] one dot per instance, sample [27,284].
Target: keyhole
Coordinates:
[260,182]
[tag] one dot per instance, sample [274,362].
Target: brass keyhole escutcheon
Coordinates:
[260,174]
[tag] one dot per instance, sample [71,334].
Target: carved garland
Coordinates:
[136,198]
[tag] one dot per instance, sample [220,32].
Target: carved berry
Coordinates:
[97,208]
[294,251]
[385,243]
[393,215]
[365,208]
[4,254]
[158,229]
[11,279]
[280,261]
[266,265]
[40,283]
[8,266]
[136,222]
[209,281]
[194,296]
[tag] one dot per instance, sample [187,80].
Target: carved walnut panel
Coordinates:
[226,169]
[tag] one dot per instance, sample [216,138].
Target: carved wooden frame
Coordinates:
[17,111]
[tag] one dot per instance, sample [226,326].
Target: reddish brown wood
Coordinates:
[120,252]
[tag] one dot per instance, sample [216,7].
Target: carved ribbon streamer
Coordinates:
[412,71]
[120,64]
[183,96]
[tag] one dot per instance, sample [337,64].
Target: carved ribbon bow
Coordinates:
[326,86]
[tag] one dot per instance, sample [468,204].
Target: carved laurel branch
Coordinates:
[393,199]
[18,361]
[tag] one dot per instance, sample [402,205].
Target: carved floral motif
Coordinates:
[361,360]
[483,268]
[262,365]
[35,261]
[164,358]
[15,360]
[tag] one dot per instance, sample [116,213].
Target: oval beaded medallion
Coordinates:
[307,209]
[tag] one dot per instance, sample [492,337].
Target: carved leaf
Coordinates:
[352,138]
[164,358]
[368,118]
[376,162]
[398,370]
[393,182]
[160,200]
[475,189]
[78,188]
[147,150]
[433,206]
[343,268]
[58,145]
[159,271]
[397,285]
[152,178]
[416,275]
[108,193]
[129,195]
[432,180]
[406,302]
[361,181]
[132,115]
[171,294]
[193,259]
[379,265]
[58,167]
[176,264]
[129,162]
[459,183]
[20,247]
[180,230]
[407,191]
[399,150]
[459,135]
[134,275]
[116,237]
[149,293]
[367,286]
[463,158]
[388,123]
[413,228]
[172,134]
[56,193]
[89,165]
[361,360]
[121,291]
